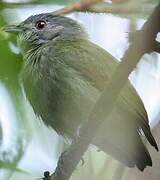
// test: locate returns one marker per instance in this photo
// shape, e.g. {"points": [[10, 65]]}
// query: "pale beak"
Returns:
{"points": [[12, 29]]}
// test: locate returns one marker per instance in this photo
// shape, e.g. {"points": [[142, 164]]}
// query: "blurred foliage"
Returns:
{"points": [[10, 62], [11, 166]]}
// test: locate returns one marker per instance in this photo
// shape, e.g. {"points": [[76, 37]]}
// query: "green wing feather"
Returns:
{"points": [[98, 68]]}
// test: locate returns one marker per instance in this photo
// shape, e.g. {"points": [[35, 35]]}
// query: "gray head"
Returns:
{"points": [[43, 28]]}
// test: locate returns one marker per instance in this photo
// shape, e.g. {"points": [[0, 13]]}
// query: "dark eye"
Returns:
{"points": [[40, 24]]}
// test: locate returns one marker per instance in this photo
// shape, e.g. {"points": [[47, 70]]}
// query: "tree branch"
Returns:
{"points": [[119, 7], [143, 42], [103, 7], [78, 6]]}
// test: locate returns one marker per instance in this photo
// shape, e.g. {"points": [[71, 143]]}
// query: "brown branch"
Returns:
{"points": [[78, 6], [143, 42], [75, 7], [103, 7]]}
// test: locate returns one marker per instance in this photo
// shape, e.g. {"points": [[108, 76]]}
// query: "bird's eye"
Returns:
{"points": [[40, 24]]}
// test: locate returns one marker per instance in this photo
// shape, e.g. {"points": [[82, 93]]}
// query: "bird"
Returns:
{"points": [[64, 73]]}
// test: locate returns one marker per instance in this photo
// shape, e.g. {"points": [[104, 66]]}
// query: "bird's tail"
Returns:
{"points": [[142, 158], [131, 153], [149, 136]]}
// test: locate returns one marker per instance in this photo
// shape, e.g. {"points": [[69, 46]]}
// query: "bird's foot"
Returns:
{"points": [[47, 175]]}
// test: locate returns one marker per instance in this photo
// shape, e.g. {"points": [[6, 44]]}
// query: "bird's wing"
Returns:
{"points": [[132, 100], [98, 68], [95, 64]]}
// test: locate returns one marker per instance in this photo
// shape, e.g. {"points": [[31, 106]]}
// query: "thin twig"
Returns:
{"points": [[102, 7], [78, 6], [99, 6], [143, 42]]}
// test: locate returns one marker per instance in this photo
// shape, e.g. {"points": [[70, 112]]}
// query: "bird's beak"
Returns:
{"points": [[12, 29]]}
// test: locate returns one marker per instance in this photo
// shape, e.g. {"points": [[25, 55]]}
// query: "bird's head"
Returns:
{"points": [[40, 29]]}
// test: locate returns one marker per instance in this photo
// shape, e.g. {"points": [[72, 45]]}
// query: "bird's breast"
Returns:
{"points": [[61, 97]]}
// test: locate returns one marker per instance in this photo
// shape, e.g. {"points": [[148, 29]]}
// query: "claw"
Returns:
{"points": [[47, 175]]}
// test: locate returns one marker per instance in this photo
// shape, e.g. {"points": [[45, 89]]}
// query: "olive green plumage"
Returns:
{"points": [[63, 75]]}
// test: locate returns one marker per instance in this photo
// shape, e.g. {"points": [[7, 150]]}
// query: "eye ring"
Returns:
{"points": [[41, 24]]}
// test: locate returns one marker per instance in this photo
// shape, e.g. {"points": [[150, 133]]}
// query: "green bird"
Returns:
{"points": [[63, 75]]}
